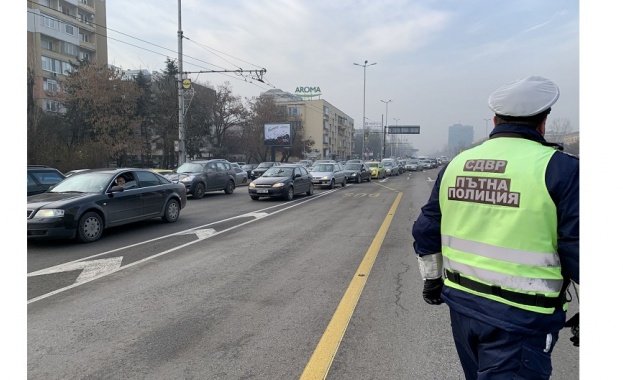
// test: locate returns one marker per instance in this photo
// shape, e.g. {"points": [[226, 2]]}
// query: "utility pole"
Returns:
{"points": [[180, 86], [181, 158], [386, 121], [363, 126]]}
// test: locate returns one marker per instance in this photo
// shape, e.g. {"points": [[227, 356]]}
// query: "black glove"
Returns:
{"points": [[574, 324], [432, 291]]}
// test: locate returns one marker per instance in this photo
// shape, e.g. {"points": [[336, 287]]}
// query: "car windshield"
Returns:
{"points": [[373, 164], [189, 167], [276, 171], [412, 162], [353, 166], [387, 164], [322, 168], [84, 183], [248, 167], [265, 165]]}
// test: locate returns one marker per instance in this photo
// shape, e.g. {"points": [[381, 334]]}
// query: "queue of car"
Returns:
{"points": [[82, 203]]}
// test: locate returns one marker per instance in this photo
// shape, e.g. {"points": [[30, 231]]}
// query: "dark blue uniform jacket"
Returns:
{"points": [[562, 180]]}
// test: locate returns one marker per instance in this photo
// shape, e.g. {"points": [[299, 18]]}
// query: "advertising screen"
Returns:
{"points": [[277, 134]]}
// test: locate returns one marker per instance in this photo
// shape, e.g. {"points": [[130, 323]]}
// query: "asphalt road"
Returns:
{"points": [[241, 289]]}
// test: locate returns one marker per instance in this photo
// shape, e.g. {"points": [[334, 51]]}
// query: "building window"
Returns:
{"points": [[70, 49], [49, 64], [69, 29], [294, 111], [50, 85], [84, 37], [84, 56], [45, 3], [49, 22], [67, 68], [46, 44], [52, 106]]}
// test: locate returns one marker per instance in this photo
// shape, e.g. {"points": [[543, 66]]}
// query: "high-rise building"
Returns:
{"points": [[460, 137], [60, 32]]}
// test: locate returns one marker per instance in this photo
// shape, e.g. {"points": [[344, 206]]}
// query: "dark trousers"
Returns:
{"points": [[488, 352]]}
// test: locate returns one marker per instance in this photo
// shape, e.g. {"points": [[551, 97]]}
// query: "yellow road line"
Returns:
{"points": [[320, 361]]}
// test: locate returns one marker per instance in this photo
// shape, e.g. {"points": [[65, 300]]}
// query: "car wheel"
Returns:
{"points": [[344, 182], [358, 179], [370, 178], [199, 191], [289, 194], [332, 184], [171, 211], [311, 189], [229, 189], [254, 197], [90, 227]]}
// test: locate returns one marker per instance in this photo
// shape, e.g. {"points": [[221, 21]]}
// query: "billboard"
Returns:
{"points": [[277, 134]]}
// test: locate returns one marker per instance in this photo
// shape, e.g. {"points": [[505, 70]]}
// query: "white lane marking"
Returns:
{"points": [[429, 179], [90, 269], [84, 261]]}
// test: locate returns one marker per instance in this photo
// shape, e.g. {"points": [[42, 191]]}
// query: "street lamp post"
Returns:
{"points": [[363, 126], [486, 127], [386, 120]]}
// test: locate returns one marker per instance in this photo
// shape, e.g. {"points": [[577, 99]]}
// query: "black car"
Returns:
{"points": [[248, 168], [41, 178], [357, 172], [283, 181], [82, 206], [201, 176], [261, 168]]}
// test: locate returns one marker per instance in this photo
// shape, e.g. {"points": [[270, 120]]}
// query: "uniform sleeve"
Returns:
{"points": [[563, 182], [426, 229]]}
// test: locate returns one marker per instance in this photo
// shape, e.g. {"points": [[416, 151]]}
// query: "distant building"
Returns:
{"points": [[460, 137], [60, 32], [330, 128]]}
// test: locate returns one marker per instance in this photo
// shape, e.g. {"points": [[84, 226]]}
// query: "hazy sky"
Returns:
{"points": [[437, 61]]}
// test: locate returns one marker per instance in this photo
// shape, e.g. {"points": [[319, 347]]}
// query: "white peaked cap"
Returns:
{"points": [[524, 97]]}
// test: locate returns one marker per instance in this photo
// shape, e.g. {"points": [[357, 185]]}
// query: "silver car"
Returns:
{"points": [[413, 165], [328, 174]]}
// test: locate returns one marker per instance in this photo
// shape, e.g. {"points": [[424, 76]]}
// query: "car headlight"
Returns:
{"points": [[325, 177], [279, 184], [252, 185], [50, 213], [353, 175], [188, 179]]}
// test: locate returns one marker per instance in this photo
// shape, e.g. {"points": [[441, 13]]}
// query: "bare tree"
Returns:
{"points": [[101, 112]]}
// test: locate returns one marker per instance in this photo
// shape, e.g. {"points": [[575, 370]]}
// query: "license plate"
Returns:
{"points": [[262, 191]]}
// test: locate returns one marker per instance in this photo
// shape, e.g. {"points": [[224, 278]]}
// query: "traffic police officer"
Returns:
{"points": [[498, 240]]}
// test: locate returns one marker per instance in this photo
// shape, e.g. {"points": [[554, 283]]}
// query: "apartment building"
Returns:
{"points": [[60, 32], [332, 130]]}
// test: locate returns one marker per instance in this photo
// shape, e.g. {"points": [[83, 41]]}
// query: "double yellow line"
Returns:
{"points": [[320, 361]]}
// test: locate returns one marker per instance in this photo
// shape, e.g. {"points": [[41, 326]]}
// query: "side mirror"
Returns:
{"points": [[297, 175]]}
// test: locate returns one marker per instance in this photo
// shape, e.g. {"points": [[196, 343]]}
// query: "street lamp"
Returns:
{"points": [[365, 64], [486, 127], [386, 119]]}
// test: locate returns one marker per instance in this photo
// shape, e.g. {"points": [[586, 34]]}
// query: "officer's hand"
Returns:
{"points": [[432, 291], [574, 324]]}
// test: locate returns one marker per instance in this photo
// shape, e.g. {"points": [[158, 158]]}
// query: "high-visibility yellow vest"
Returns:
{"points": [[499, 224]]}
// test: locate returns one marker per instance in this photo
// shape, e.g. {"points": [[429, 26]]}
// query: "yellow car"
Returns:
{"points": [[378, 170]]}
